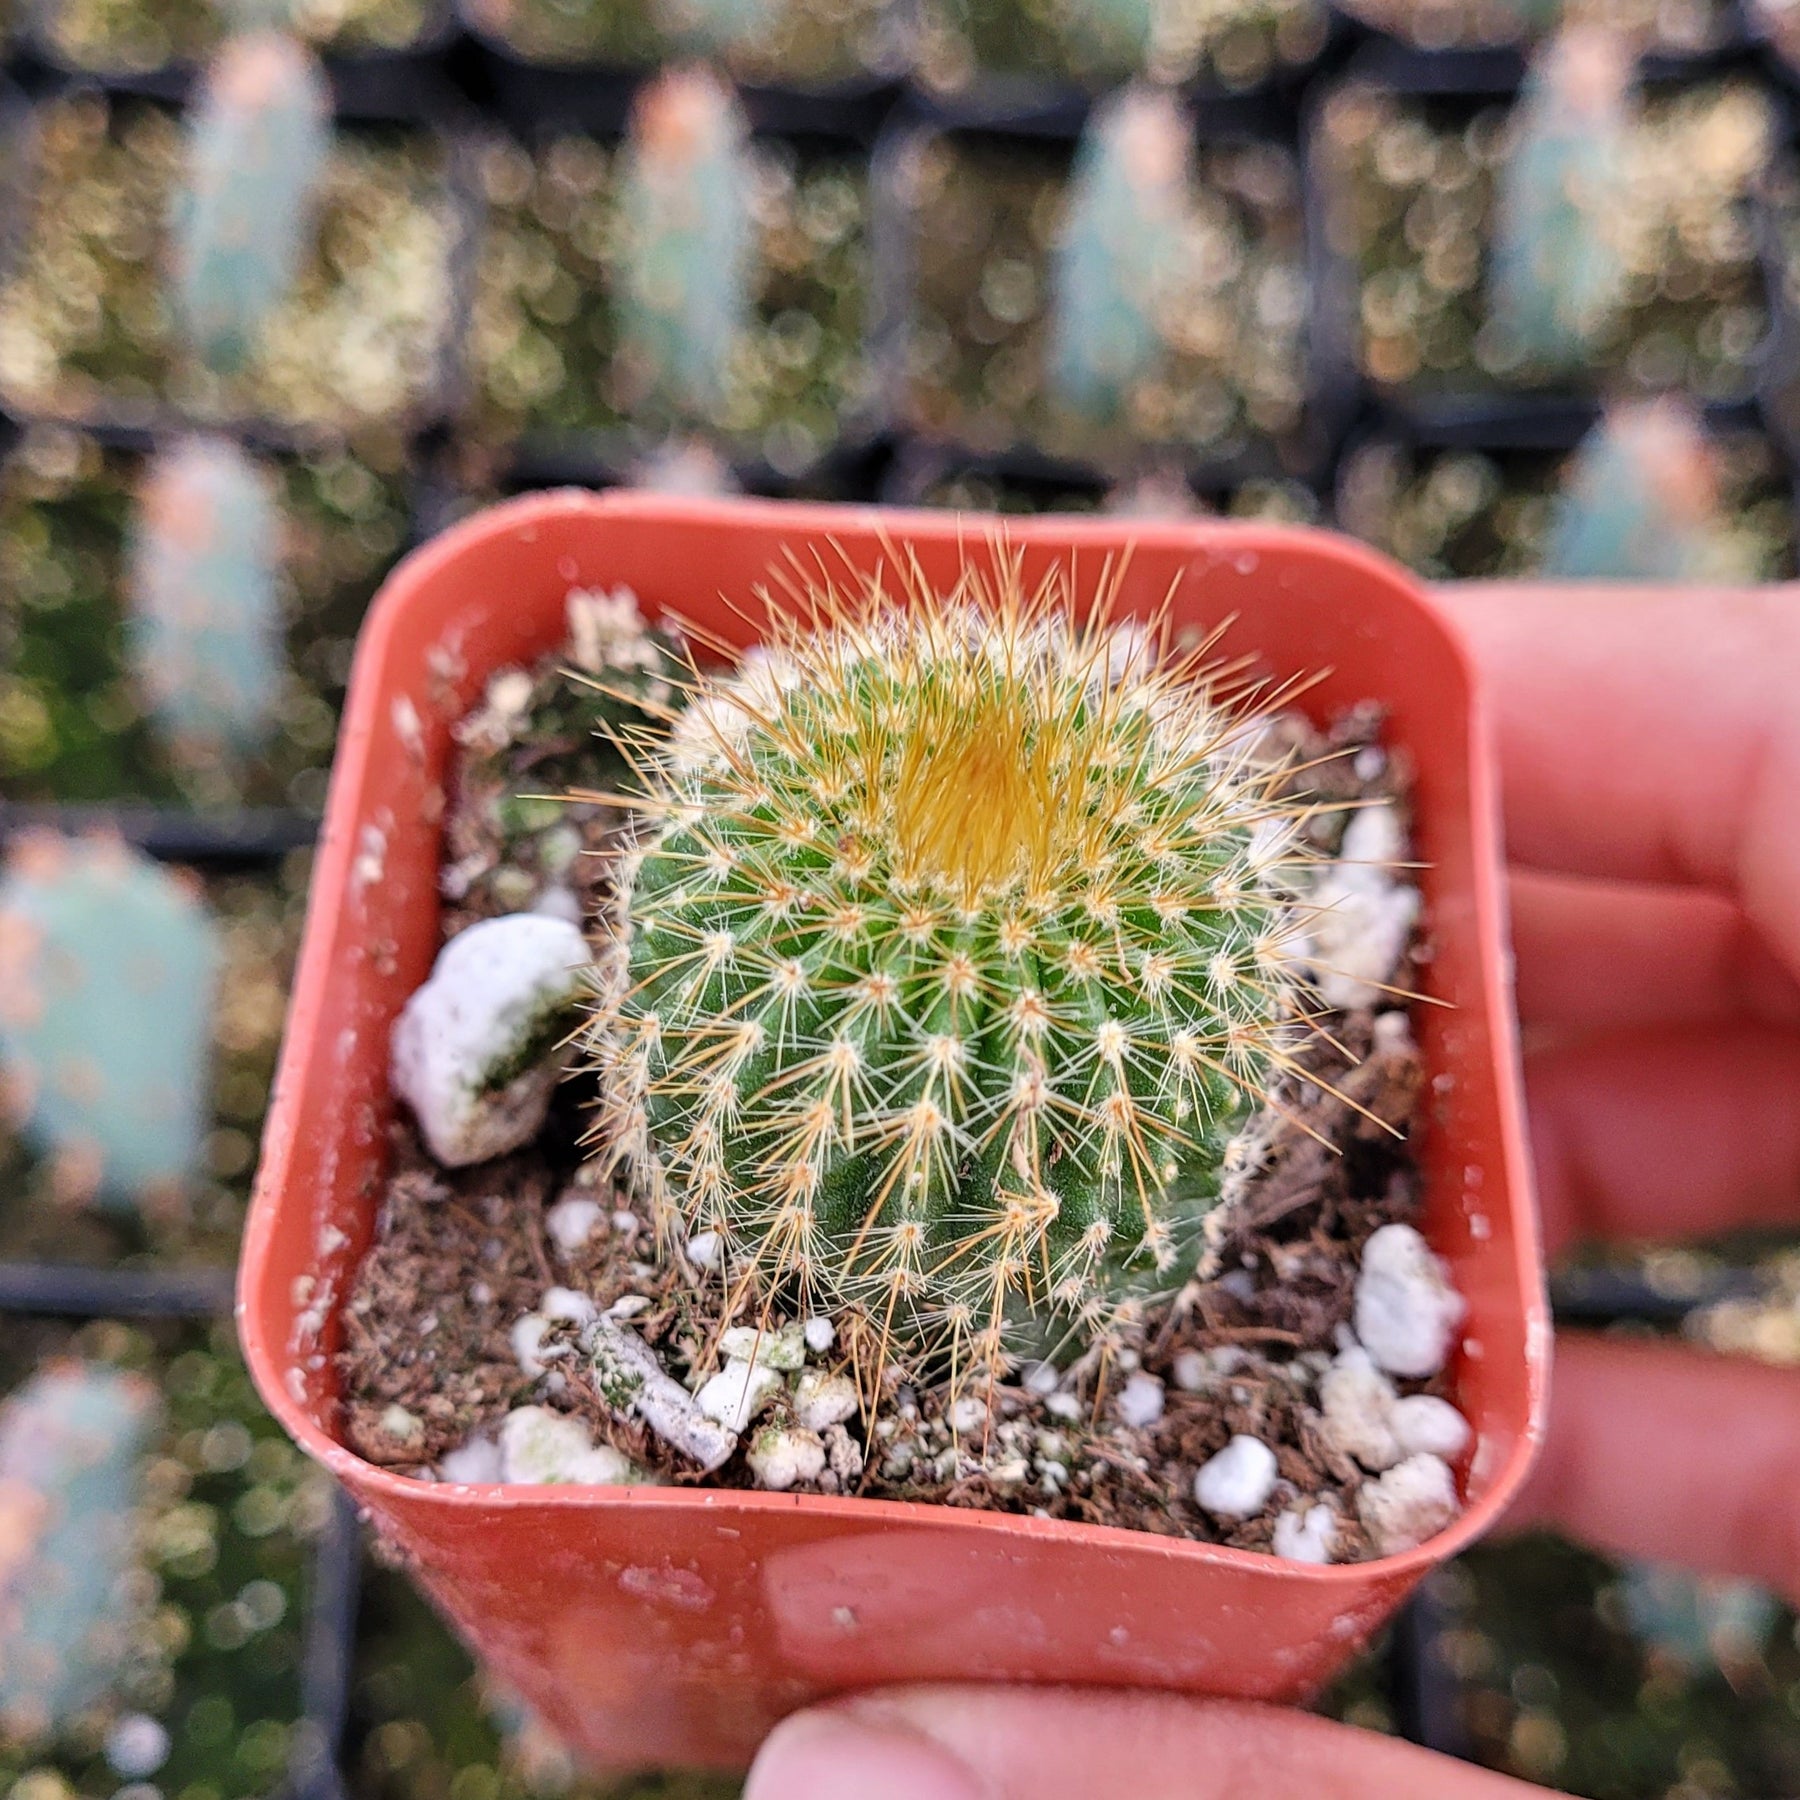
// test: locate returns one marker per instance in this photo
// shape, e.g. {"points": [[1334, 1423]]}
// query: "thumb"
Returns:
{"points": [[999, 1743]]}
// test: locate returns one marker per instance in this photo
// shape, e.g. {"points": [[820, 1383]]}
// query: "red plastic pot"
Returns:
{"points": [[674, 1626]]}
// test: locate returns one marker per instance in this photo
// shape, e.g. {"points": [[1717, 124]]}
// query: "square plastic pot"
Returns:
{"points": [[675, 1625]]}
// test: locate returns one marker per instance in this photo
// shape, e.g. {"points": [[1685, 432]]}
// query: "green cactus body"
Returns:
{"points": [[257, 144], [1557, 275], [947, 979], [107, 966], [1120, 246], [687, 243], [204, 581], [72, 1442], [1639, 501]]}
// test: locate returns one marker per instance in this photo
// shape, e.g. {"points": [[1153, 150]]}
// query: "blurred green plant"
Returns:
{"points": [[74, 724], [544, 330], [71, 1448], [1640, 501], [226, 1515], [258, 136], [205, 584], [108, 966], [357, 345]]}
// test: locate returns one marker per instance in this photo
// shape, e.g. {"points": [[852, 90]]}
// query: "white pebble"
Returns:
{"points": [[402, 1426], [1356, 1404], [1363, 915], [1406, 1310], [1139, 1402], [820, 1334], [1041, 1378], [1063, 1406], [540, 1447], [137, 1746], [1410, 1503], [1307, 1532], [1237, 1483], [739, 1391], [782, 1456], [703, 1249], [1426, 1425], [821, 1400], [782, 1349], [629, 1306], [492, 991], [569, 1304], [572, 1222], [1191, 1372], [626, 1223], [968, 1415], [527, 1334], [474, 1462]]}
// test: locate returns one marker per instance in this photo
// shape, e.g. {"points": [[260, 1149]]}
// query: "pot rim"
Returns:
{"points": [[337, 852]]}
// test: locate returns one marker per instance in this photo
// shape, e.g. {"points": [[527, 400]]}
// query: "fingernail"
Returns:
{"points": [[830, 1756]]}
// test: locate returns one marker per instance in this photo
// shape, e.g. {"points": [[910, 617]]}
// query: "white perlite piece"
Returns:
{"points": [[1406, 1310], [1358, 935], [542, 1447], [631, 1380], [783, 1456], [568, 1304], [572, 1222], [1140, 1401], [526, 1335], [820, 1334], [1424, 1424], [469, 1050], [822, 1400], [1306, 1532], [1413, 1501], [1237, 1483], [739, 1391], [703, 1249], [476, 1462], [1356, 1405], [783, 1348]]}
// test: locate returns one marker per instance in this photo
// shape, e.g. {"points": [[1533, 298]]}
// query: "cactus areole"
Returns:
{"points": [[961, 946]]}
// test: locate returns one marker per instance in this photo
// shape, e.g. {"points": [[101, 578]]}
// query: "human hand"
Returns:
{"points": [[1650, 747]]}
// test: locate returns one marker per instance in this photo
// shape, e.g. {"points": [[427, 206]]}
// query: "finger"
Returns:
{"points": [[1657, 1450], [1649, 735], [1596, 955], [1666, 1134], [998, 1743]]}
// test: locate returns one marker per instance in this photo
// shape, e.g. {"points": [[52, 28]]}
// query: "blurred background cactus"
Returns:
{"points": [[1119, 250], [204, 580], [1640, 501], [685, 244], [1558, 271], [256, 149], [72, 1443], [107, 969], [938, 779]]}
